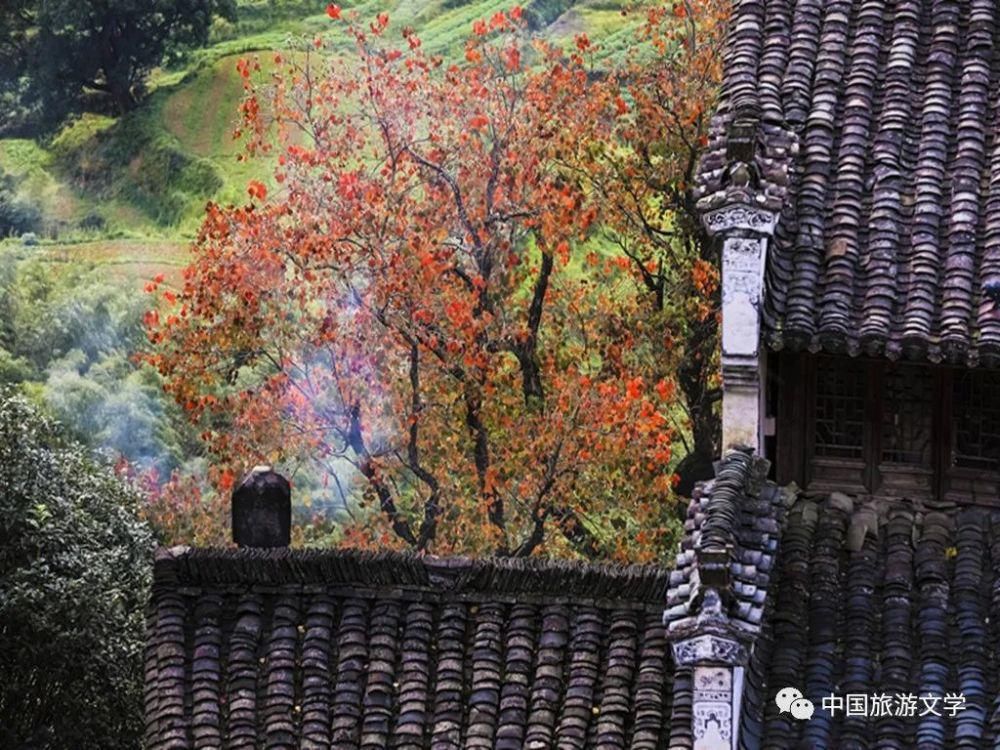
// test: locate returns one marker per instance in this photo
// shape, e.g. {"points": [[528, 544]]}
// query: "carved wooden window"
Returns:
{"points": [[840, 410], [904, 431], [976, 421], [907, 422]]}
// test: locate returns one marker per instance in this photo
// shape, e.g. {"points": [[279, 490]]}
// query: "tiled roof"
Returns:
{"points": [[739, 514], [832, 596], [874, 125], [339, 649], [849, 596], [729, 547], [883, 600]]}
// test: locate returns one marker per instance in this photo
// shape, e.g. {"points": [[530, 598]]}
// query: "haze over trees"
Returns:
{"points": [[461, 299], [542, 253]]}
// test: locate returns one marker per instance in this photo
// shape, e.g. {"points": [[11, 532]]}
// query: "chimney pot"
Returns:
{"points": [[262, 509]]}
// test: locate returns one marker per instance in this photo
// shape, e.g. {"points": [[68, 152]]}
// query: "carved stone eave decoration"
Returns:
{"points": [[713, 565], [746, 161], [742, 291], [722, 649], [716, 653], [716, 707], [711, 637], [740, 217], [718, 591]]}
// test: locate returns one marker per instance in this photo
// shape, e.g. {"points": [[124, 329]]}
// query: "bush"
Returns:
{"points": [[93, 222], [74, 578], [540, 13], [16, 215], [14, 369]]}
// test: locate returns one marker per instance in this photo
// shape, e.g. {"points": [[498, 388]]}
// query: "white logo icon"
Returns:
{"points": [[790, 700]]}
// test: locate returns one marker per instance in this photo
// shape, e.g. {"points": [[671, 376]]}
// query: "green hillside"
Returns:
{"points": [[128, 193]]}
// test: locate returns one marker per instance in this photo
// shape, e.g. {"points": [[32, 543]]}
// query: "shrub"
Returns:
{"points": [[93, 222]]}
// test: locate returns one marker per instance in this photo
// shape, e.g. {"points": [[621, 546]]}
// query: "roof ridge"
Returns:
{"points": [[185, 566]]}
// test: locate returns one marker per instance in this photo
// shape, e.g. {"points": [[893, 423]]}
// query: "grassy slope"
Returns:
{"points": [[128, 194]]}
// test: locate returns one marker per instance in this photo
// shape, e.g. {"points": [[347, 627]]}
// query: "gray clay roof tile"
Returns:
{"points": [[298, 649], [905, 606], [876, 124]]}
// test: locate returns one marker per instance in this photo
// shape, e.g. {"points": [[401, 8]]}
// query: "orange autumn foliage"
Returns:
{"points": [[419, 300], [660, 100]]}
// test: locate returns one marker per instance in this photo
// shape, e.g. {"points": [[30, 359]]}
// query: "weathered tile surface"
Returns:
{"points": [[884, 602], [740, 513], [875, 127], [279, 649]]}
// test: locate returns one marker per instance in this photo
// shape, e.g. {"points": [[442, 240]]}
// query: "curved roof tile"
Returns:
{"points": [[299, 649], [876, 127]]}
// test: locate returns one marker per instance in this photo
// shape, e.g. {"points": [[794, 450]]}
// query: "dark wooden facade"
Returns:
{"points": [[872, 427]]}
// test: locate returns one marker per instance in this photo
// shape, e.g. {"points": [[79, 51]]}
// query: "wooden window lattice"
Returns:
{"points": [[840, 411], [898, 430], [976, 421], [907, 415]]}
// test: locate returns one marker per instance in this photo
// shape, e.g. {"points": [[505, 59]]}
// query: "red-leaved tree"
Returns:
{"points": [[421, 309]]}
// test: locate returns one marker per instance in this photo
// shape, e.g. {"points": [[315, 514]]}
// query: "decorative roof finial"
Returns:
{"points": [[262, 509]]}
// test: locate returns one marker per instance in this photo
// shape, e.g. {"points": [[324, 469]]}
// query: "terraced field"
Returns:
{"points": [[132, 262], [129, 193]]}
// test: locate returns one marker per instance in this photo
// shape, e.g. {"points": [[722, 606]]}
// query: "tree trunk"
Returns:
{"points": [[122, 96], [693, 378], [697, 466]]}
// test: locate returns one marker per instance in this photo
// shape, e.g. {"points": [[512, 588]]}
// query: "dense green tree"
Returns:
{"points": [[74, 577], [15, 23], [61, 56]]}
